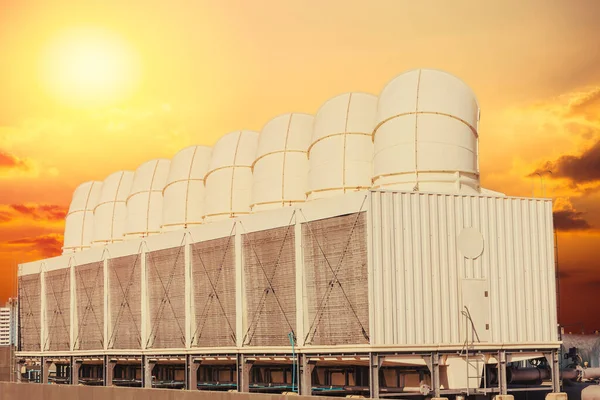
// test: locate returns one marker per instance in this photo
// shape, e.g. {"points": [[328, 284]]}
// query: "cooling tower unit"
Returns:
{"points": [[79, 223], [111, 210], [426, 138], [183, 203], [229, 179], [281, 166], [341, 150], [144, 204]]}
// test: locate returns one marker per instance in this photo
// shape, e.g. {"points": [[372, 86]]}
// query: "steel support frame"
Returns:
{"points": [[243, 373], [555, 370], [375, 364], [307, 362], [433, 363], [108, 371], [502, 380], [306, 369], [191, 372], [147, 368], [45, 364], [75, 367]]}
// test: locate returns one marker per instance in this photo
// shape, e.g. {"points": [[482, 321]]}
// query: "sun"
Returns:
{"points": [[87, 67]]}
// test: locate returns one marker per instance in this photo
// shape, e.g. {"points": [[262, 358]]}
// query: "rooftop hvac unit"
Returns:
{"points": [[281, 166], [183, 203], [229, 179], [341, 150], [79, 223], [426, 136], [111, 211], [144, 204]]}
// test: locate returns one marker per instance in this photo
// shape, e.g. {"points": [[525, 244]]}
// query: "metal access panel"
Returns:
{"points": [[335, 262], [29, 312], [124, 280], [422, 247], [89, 287], [270, 285], [476, 310], [213, 277], [58, 310], [166, 292]]}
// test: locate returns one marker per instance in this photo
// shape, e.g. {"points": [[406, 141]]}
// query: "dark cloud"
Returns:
{"points": [[570, 220], [583, 168], [46, 245], [9, 161], [36, 212], [49, 212]]}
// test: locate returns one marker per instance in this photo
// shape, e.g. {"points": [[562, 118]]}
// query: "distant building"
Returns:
{"points": [[8, 323], [5, 330]]}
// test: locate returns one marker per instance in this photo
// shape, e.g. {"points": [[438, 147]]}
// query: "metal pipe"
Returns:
{"points": [[581, 373], [517, 375]]}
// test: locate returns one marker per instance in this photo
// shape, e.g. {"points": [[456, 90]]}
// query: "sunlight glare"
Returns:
{"points": [[89, 67]]}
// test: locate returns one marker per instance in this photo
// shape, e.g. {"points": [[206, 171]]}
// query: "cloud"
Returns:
{"points": [[46, 246], [579, 169], [567, 218], [32, 212], [50, 212], [586, 104], [9, 161], [583, 168]]}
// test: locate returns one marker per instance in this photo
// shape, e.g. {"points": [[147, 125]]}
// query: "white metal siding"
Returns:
{"points": [[418, 270]]}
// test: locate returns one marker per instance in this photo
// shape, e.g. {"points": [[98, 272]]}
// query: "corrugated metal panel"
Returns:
{"points": [[58, 309], [335, 261], [166, 292], [90, 306], [213, 274], [125, 302], [421, 256], [269, 270], [29, 312]]}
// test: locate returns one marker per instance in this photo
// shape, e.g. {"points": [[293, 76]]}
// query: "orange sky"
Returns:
{"points": [[187, 72]]}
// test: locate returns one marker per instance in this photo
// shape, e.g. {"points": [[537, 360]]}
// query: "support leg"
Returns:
{"points": [[19, 366], [555, 372], [306, 369], [192, 373], [109, 371], [75, 367], [375, 364], [243, 379], [502, 383], [45, 365], [147, 371], [435, 374]]}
